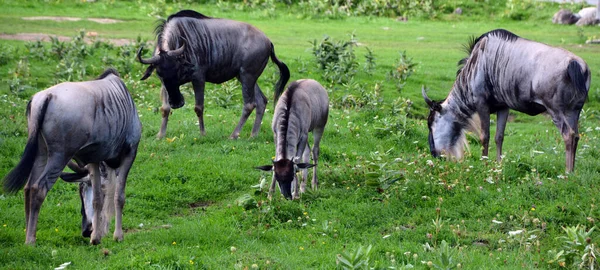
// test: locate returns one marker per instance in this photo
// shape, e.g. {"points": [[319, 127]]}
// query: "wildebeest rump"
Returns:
{"points": [[91, 122], [194, 48], [502, 72], [303, 108]]}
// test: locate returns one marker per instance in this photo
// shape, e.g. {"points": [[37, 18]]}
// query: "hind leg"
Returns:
{"points": [[501, 118], [98, 221], [317, 135], [120, 193], [248, 94], [261, 105], [37, 189]]}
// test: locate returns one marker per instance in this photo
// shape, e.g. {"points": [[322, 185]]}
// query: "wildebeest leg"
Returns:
{"points": [[109, 191], [98, 222], [38, 167], [305, 159], [199, 108], [484, 116], [248, 91], [272, 187], [317, 135], [165, 110], [38, 189], [120, 193], [261, 105], [501, 118], [302, 145]]}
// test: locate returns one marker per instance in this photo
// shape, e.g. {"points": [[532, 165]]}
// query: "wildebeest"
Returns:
{"points": [[565, 16], [91, 122], [303, 108], [502, 72], [83, 176], [191, 47]]}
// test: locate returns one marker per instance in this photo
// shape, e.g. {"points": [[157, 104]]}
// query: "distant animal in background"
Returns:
{"points": [[502, 72], [586, 16], [191, 47], [303, 108], [91, 122], [565, 16]]}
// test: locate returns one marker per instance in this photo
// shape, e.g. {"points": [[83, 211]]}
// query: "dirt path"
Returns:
{"points": [[70, 19], [91, 37]]}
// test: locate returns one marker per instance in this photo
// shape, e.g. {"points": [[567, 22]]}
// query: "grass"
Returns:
{"points": [[181, 209]]}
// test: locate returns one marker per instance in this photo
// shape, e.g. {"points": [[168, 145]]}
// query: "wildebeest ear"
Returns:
{"points": [[148, 72], [305, 165], [73, 177], [266, 168]]}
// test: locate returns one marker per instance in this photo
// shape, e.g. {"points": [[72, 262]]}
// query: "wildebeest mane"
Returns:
{"points": [[107, 72], [285, 118], [468, 47], [160, 23]]}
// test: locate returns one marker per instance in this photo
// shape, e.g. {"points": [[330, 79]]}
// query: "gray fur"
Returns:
{"points": [[507, 72], [91, 122], [303, 108], [215, 51]]}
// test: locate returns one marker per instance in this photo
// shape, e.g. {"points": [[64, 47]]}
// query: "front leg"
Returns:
{"points": [[198, 85], [484, 117], [501, 118], [272, 188], [165, 111]]}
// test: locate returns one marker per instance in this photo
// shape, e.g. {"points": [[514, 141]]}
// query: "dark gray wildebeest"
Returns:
{"points": [[191, 47], [90, 122], [303, 108], [502, 72]]}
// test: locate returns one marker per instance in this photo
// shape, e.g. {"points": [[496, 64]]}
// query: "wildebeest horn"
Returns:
{"points": [[429, 102], [150, 61], [176, 52]]}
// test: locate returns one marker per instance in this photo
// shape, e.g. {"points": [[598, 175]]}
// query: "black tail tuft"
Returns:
{"points": [[578, 76], [17, 178], [284, 75]]}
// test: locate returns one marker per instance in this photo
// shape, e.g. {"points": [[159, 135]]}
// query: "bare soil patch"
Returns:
{"points": [[45, 37], [70, 19]]}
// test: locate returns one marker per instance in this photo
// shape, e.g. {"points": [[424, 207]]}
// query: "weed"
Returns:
{"points": [[404, 69], [336, 59], [578, 249], [354, 260]]}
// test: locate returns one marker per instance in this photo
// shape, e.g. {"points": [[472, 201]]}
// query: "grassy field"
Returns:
{"points": [[379, 186]]}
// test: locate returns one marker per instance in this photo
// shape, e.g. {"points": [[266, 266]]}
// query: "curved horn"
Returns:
{"points": [[150, 61], [176, 52], [429, 102]]}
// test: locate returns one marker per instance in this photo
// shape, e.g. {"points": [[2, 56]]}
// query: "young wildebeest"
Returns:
{"points": [[91, 122], [83, 176], [191, 47], [502, 72], [303, 108]]}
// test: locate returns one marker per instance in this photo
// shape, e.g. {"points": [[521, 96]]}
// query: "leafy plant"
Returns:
{"points": [[405, 67], [336, 59], [445, 257], [354, 260], [382, 173], [578, 249]]}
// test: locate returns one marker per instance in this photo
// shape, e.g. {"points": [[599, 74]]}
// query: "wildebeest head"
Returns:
{"points": [[173, 71], [86, 194], [284, 171], [446, 136]]}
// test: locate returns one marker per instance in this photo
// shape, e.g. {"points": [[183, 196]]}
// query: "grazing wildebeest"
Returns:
{"points": [[83, 176], [303, 108], [502, 72], [91, 122], [565, 16], [191, 47]]}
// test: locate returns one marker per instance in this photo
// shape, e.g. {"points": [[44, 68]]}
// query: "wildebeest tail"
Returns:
{"points": [[284, 74], [16, 179], [578, 76]]}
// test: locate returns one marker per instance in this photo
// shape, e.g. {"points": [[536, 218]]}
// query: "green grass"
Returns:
{"points": [[181, 209]]}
